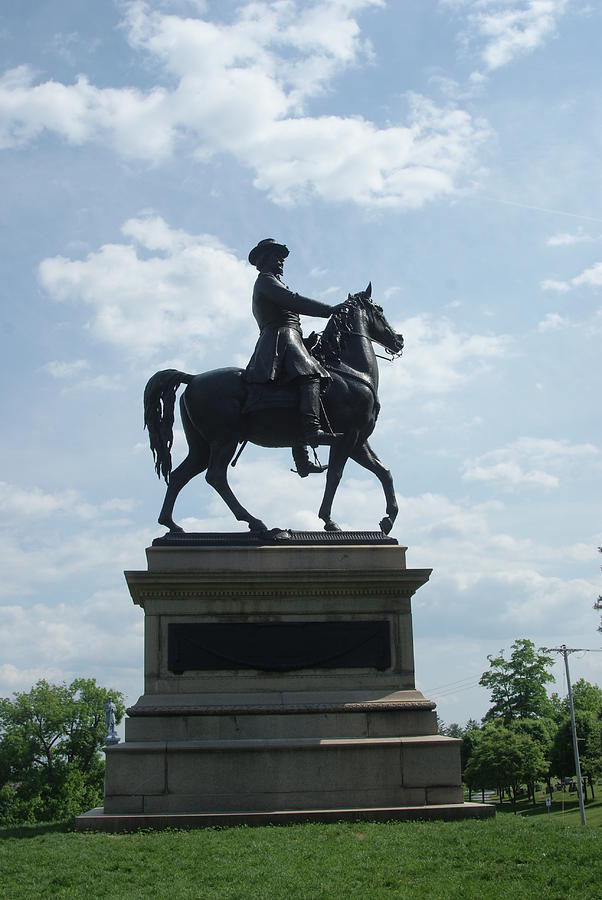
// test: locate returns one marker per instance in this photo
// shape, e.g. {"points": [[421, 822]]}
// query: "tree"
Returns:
{"points": [[504, 759], [598, 603], [542, 732], [518, 684], [50, 740], [472, 730], [587, 699], [453, 730]]}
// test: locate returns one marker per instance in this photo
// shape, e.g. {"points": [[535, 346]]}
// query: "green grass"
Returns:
{"points": [[569, 815], [511, 856]]}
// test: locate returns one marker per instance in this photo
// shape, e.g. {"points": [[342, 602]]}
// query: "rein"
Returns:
{"points": [[392, 355]]}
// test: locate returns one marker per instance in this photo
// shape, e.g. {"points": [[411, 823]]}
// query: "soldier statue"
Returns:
{"points": [[280, 356]]}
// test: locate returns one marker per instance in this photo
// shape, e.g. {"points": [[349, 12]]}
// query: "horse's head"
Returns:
{"points": [[376, 325], [358, 315]]}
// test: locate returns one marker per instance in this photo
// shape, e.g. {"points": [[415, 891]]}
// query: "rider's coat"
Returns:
{"points": [[280, 354]]}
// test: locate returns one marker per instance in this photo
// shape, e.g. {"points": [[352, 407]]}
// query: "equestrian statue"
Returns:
{"points": [[294, 393]]}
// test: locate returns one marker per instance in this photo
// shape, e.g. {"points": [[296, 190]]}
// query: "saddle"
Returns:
{"points": [[270, 396], [275, 396]]}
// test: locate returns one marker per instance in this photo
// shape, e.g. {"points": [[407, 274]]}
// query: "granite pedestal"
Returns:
{"points": [[279, 686]]}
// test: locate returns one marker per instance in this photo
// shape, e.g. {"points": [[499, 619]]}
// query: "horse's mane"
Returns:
{"points": [[329, 345]]}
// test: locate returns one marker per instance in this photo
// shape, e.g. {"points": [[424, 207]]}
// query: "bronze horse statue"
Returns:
{"points": [[213, 415]]}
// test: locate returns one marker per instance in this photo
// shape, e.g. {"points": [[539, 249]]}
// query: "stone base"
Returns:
{"points": [[98, 820], [241, 775], [279, 686]]}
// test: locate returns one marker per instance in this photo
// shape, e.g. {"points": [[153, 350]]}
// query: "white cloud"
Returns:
{"points": [[527, 462], [187, 289], [568, 239], [100, 382], [591, 277], [438, 358], [552, 284], [242, 88], [132, 123], [35, 503], [100, 636], [509, 28], [552, 322], [519, 29], [60, 369], [162, 289]]}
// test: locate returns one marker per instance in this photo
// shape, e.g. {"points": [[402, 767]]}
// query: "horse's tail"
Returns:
{"points": [[159, 403]]}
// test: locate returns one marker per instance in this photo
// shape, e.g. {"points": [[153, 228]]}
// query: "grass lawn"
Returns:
{"points": [[512, 856], [570, 816], [567, 813]]}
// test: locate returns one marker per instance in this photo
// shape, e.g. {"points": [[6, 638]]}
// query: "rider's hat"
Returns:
{"points": [[267, 244]]}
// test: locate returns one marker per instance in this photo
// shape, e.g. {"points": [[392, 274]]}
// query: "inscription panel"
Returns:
{"points": [[278, 646]]}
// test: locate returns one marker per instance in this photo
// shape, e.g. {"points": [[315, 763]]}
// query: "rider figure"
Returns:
{"points": [[280, 355]]}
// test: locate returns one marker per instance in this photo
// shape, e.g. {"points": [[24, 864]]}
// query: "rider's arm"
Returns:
{"points": [[275, 291]]}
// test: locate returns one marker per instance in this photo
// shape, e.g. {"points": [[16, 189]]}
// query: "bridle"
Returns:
{"points": [[393, 354]]}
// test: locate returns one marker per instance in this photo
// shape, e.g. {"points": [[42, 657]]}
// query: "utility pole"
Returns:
{"points": [[565, 652]]}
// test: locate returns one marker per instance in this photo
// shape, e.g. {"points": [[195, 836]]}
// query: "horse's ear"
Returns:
{"points": [[368, 292], [349, 296]]}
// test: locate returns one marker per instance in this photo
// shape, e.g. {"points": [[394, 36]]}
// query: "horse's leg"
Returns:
{"points": [[339, 454], [216, 476], [193, 465], [366, 457]]}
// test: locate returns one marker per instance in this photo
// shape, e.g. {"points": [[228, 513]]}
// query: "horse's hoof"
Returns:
{"points": [[386, 525], [279, 534], [256, 526], [332, 526], [171, 525]]}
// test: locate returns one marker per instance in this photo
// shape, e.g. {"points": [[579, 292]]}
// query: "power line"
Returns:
{"points": [[447, 693], [450, 684]]}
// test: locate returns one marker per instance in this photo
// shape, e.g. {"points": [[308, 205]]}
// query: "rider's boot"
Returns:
{"points": [[304, 465], [309, 407]]}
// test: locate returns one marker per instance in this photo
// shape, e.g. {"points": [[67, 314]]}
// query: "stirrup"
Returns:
{"points": [[322, 438], [306, 467]]}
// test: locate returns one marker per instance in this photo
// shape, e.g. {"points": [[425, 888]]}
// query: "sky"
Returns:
{"points": [[449, 152]]}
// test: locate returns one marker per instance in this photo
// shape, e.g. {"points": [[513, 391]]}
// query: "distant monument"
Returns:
{"points": [[279, 665], [111, 736]]}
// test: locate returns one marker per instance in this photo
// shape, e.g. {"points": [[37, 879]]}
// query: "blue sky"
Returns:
{"points": [[446, 150]]}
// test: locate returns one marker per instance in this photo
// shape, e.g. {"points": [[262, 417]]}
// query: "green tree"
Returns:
{"points": [[504, 759], [470, 736], [453, 730], [542, 732], [598, 603], [518, 684], [587, 699], [50, 740]]}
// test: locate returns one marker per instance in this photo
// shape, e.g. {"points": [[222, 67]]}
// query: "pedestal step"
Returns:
{"points": [[98, 820], [302, 773]]}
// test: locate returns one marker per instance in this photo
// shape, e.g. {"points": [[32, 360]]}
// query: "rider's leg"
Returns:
{"points": [[309, 407], [304, 465]]}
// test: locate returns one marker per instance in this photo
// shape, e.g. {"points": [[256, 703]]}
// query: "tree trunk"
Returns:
{"points": [[513, 796], [483, 794], [591, 786]]}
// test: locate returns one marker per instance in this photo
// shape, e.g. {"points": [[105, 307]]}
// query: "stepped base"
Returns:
{"points": [[98, 820], [279, 687]]}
